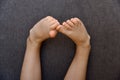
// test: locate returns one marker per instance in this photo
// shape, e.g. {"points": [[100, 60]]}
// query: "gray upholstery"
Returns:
{"points": [[101, 18]]}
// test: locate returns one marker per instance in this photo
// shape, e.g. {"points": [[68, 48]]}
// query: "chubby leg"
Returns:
{"points": [[75, 30], [31, 69]]}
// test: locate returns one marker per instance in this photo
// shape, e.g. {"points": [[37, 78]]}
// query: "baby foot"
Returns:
{"points": [[75, 30], [44, 29]]}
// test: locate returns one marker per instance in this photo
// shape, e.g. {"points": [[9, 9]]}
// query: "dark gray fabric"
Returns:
{"points": [[101, 18]]}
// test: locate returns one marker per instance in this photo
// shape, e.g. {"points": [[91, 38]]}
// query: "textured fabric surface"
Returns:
{"points": [[101, 18]]}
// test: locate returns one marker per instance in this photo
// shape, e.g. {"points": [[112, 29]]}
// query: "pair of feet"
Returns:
{"points": [[49, 26]]}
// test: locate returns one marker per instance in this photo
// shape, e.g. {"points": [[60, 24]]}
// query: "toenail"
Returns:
{"points": [[72, 19], [49, 17], [67, 20]]}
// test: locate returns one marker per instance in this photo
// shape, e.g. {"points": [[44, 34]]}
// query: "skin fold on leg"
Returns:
{"points": [[75, 29], [46, 28]]}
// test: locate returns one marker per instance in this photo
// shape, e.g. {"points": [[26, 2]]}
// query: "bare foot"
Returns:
{"points": [[75, 29], [44, 29]]}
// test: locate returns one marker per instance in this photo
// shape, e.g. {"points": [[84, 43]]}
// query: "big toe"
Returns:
{"points": [[61, 28], [52, 33]]}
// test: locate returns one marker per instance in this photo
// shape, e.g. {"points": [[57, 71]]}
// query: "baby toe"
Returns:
{"points": [[50, 18], [73, 21], [53, 22], [78, 21]]}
